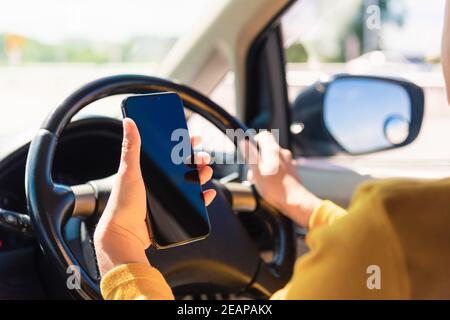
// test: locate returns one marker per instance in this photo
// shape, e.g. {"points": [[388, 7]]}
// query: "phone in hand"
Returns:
{"points": [[176, 212]]}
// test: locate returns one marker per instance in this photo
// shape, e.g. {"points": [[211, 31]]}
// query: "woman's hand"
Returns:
{"points": [[276, 180], [122, 235]]}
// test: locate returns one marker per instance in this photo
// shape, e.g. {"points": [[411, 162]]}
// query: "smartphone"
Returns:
{"points": [[176, 212]]}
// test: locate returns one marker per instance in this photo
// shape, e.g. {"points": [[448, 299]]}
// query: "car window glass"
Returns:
{"points": [[378, 37], [49, 48]]}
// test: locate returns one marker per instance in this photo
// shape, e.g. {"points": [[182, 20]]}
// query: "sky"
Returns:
{"points": [[53, 20], [108, 20], [319, 19], [422, 29]]}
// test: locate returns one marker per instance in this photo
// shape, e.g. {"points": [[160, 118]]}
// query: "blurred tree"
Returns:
{"points": [[35, 51], [343, 30], [2, 48], [358, 27], [84, 54], [296, 53]]}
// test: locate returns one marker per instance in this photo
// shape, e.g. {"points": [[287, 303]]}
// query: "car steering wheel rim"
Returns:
{"points": [[51, 205]]}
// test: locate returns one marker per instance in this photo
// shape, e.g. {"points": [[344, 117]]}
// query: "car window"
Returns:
{"points": [[49, 48], [214, 140], [382, 37]]}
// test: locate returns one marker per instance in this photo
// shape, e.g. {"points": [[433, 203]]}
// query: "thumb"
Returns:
{"points": [[131, 150], [269, 153]]}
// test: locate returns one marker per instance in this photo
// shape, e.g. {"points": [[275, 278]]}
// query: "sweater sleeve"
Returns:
{"points": [[135, 281], [139, 281], [326, 214], [356, 257]]}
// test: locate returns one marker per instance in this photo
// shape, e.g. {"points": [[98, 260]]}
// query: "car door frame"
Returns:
{"points": [[266, 92], [266, 85]]}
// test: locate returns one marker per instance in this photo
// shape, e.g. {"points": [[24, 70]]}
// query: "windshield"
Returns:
{"points": [[48, 48]]}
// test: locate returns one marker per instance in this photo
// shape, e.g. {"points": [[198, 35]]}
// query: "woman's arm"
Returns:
{"points": [[121, 236], [277, 181]]}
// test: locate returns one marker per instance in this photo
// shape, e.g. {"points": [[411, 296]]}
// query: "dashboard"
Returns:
{"points": [[89, 149]]}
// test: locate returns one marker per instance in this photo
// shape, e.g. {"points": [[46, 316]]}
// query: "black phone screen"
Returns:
{"points": [[176, 210]]}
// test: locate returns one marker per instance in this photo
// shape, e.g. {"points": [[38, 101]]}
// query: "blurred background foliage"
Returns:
{"points": [[137, 49], [352, 28]]}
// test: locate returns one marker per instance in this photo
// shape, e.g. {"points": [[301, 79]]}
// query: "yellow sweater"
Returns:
{"points": [[394, 243]]}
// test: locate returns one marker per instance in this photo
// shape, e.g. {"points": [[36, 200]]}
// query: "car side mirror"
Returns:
{"points": [[356, 115]]}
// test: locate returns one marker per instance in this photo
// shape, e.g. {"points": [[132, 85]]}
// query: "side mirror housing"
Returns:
{"points": [[356, 115]]}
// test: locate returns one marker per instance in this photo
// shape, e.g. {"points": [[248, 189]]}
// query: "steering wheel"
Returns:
{"points": [[229, 258]]}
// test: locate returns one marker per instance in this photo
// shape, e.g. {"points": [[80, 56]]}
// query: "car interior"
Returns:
{"points": [[56, 179]]}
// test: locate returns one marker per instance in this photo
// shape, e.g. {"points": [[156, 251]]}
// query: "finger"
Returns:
{"points": [[269, 153], [250, 176], [205, 174], [287, 154], [131, 145], [209, 196], [195, 141], [266, 140], [249, 152], [202, 159]]}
